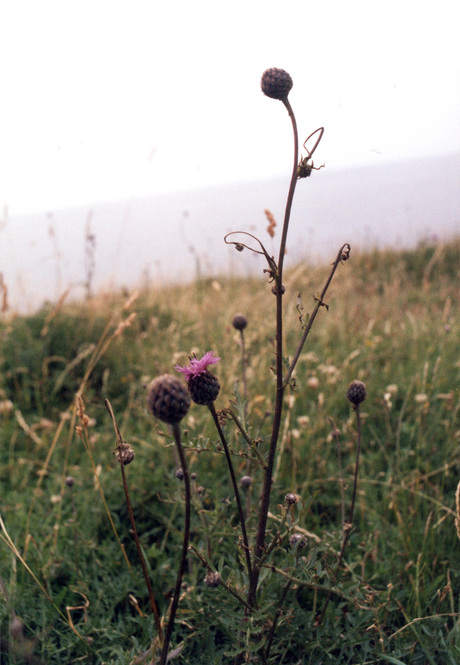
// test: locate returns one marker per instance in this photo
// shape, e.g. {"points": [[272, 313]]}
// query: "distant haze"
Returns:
{"points": [[175, 237]]}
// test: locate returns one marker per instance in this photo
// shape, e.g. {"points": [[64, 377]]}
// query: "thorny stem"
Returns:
{"points": [[319, 303], [247, 553], [153, 603], [186, 538], [265, 499]]}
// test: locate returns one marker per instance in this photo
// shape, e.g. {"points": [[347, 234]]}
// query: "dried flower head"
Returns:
{"points": [[356, 392], [276, 83], [168, 399], [124, 453], [212, 579], [203, 386]]}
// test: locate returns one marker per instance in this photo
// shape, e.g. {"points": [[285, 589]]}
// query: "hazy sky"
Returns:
{"points": [[104, 99]]}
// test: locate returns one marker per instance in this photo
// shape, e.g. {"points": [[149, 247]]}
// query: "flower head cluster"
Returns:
{"points": [[198, 367]]}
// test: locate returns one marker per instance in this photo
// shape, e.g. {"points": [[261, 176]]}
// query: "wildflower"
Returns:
{"points": [[198, 367], [203, 386]]}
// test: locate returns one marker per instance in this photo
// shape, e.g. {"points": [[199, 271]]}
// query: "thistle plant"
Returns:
{"points": [[169, 400]]}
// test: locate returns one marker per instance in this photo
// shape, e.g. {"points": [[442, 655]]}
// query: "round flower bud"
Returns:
{"points": [[291, 498], [168, 399], [70, 481], [356, 392], [246, 482], [203, 388], [212, 580], [179, 474], [239, 322], [276, 83]]}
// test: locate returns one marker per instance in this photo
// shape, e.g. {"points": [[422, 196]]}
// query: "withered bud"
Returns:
{"points": [[124, 453], [212, 580]]}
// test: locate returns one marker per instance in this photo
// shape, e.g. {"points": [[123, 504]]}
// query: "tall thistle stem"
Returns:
{"points": [[280, 387]]}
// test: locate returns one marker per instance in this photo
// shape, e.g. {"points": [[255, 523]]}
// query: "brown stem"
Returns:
{"points": [[186, 538], [153, 604], [265, 499], [247, 553], [319, 303]]}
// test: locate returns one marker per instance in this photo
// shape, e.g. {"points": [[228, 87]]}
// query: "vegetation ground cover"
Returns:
{"points": [[72, 590]]}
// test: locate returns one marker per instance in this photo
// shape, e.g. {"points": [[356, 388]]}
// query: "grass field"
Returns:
{"points": [[71, 585]]}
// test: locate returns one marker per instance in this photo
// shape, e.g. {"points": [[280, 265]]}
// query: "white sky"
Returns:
{"points": [[104, 99]]}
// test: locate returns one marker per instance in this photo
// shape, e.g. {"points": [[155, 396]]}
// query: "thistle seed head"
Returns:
{"points": [[168, 399], [356, 392], [276, 83]]}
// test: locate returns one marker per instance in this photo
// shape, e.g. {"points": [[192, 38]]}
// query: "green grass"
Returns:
{"points": [[392, 321]]}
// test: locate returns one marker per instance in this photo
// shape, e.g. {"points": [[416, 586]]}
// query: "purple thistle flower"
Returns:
{"points": [[198, 367]]}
